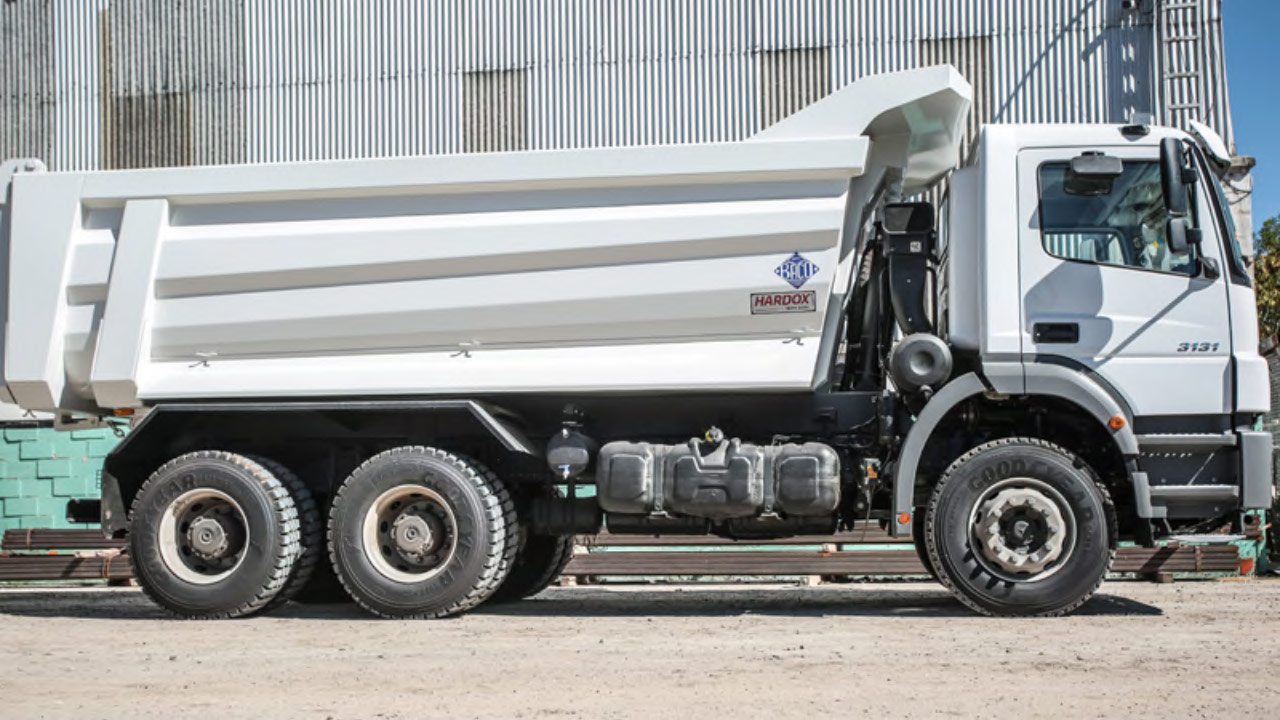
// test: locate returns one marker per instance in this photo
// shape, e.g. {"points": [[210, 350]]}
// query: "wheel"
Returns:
{"points": [[918, 541], [311, 530], [324, 588], [538, 563], [540, 559], [1020, 527], [213, 535], [420, 532]]}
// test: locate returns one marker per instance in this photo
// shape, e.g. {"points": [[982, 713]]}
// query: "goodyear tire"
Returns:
{"points": [[921, 547], [1020, 527], [213, 535], [540, 559], [420, 532], [311, 533]]}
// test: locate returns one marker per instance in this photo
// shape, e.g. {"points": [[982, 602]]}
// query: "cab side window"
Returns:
{"points": [[1123, 226]]}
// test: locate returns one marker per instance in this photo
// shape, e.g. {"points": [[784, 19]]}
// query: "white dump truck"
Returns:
{"points": [[412, 368]]}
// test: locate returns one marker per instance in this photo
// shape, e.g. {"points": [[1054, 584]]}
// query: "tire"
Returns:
{"points": [[456, 522], [244, 508], [1020, 485], [540, 559], [921, 547], [324, 588], [311, 530]]}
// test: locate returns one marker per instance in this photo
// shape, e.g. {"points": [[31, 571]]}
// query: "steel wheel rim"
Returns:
{"points": [[1017, 555], [190, 544], [410, 534]]}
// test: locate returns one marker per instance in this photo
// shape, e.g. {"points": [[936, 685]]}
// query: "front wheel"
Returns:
{"points": [[1020, 526]]}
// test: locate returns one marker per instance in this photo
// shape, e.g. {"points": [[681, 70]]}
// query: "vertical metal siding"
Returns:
{"points": [[101, 83]]}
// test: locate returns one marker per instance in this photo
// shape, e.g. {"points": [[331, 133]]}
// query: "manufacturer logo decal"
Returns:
{"points": [[796, 270], [784, 302]]}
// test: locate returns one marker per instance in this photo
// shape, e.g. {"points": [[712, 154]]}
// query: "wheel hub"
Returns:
{"points": [[1021, 530], [410, 533], [415, 534], [208, 537], [202, 536]]}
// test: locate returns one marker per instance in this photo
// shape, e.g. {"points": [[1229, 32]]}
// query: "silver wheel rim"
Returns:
{"points": [[410, 534], [203, 536], [1022, 530]]}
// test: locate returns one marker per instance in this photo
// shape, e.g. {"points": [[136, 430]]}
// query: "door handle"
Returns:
{"points": [[1065, 333]]}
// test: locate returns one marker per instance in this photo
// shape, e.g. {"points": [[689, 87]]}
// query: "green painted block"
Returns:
{"points": [[10, 488], [51, 506], [65, 447], [100, 448], [19, 470], [73, 487], [18, 434], [17, 507], [89, 434], [36, 450], [53, 468], [35, 521]]}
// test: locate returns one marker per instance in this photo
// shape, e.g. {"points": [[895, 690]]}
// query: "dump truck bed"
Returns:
{"points": [[708, 266]]}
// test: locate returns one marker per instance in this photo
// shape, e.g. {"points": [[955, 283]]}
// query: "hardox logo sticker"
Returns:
{"points": [[796, 270]]}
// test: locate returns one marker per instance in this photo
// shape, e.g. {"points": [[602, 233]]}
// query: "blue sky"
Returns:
{"points": [[1252, 29]]}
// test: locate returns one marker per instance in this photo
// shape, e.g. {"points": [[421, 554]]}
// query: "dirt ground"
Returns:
{"points": [[1191, 649]]}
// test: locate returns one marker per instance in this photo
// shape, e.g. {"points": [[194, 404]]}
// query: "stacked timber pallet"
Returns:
{"points": [[52, 554], [863, 552]]}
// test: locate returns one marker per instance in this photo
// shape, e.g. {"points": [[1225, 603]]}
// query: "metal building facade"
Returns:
{"points": [[90, 84], [123, 83]]}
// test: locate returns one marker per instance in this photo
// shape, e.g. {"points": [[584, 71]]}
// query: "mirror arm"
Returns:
{"points": [[1209, 268]]}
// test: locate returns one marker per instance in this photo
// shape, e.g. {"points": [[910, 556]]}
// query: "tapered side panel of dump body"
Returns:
{"points": [[579, 270]]}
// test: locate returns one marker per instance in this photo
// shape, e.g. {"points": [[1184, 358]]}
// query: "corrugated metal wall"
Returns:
{"points": [[116, 83]]}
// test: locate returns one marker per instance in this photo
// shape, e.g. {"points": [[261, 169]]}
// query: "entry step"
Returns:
{"points": [[1187, 443]]}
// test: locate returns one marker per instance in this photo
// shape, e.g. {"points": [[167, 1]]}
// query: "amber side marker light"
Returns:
{"points": [[904, 518], [1117, 422], [123, 412]]}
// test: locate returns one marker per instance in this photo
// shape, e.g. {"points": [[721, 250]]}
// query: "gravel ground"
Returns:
{"points": [[1191, 649]]}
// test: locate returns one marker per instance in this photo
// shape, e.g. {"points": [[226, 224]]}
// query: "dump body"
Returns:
{"points": [[707, 266]]}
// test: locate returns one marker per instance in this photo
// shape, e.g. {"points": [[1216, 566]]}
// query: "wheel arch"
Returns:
{"points": [[169, 430], [1068, 391]]}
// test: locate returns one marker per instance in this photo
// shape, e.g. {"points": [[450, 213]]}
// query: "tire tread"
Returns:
{"points": [[285, 511], [935, 556], [502, 528]]}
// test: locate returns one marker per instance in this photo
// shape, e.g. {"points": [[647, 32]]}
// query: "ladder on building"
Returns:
{"points": [[1179, 27]]}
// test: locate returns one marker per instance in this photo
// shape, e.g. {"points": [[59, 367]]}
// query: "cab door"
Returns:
{"points": [[1100, 289]]}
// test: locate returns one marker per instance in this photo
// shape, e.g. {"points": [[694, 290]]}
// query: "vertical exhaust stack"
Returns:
{"points": [[920, 361]]}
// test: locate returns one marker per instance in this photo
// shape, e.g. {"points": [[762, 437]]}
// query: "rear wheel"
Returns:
{"points": [[420, 532], [212, 535], [540, 559], [1020, 527], [311, 531]]}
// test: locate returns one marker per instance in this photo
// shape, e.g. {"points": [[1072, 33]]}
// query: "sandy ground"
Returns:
{"points": [[1191, 649]]}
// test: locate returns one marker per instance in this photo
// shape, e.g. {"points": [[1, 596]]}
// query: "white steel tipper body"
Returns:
{"points": [[597, 269], [403, 368]]}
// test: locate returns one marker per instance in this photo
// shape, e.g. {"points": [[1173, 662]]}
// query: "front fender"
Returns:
{"points": [[1031, 380]]}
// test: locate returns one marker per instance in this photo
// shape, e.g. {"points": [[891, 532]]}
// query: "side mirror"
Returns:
{"points": [[1092, 174], [1176, 234], [1173, 177], [1177, 178]]}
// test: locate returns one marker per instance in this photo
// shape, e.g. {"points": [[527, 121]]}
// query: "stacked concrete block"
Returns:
{"points": [[41, 469]]}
